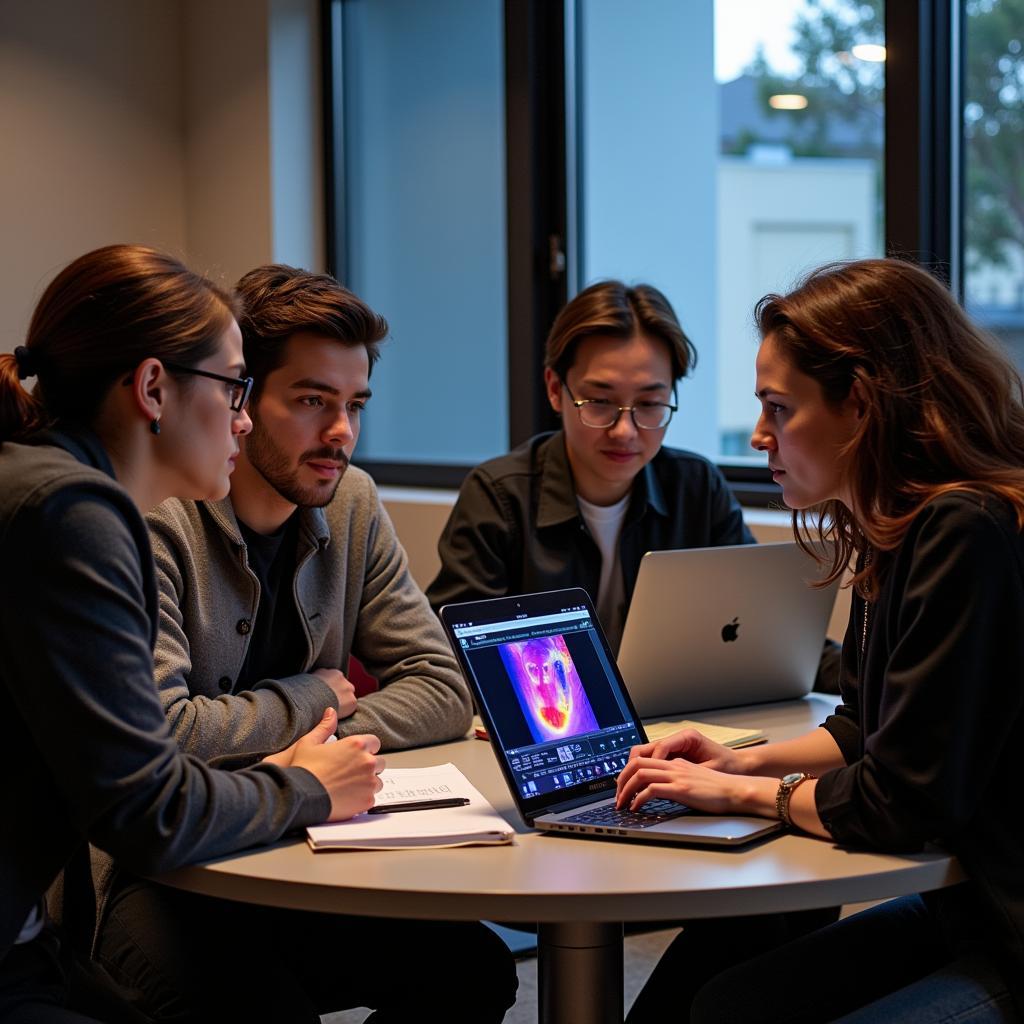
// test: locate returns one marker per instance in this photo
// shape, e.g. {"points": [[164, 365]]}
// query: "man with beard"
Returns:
{"points": [[263, 598]]}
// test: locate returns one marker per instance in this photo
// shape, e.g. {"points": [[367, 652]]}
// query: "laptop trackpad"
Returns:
{"points": [[710, 827]]}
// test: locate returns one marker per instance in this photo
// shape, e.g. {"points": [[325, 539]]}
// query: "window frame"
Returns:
{"points": [[923, 156]]}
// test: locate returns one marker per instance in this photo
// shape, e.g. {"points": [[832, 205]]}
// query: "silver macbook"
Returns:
{"points": [[717, 627], [561, 723]]}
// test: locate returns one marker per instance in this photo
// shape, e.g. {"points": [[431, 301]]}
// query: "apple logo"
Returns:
{"points": [[730, 631]]}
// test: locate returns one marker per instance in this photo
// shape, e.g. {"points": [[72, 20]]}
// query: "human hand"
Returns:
{"points": [[344, 691], [695, 785], [694, 746], [322, 732], [348, 769]]}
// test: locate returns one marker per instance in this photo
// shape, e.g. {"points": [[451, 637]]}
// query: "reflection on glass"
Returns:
{"points": [[799, 177], [994, 168], [727, 147]]}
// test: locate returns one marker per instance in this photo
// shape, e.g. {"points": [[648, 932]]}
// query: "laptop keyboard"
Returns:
{"points": [[652, 813]]}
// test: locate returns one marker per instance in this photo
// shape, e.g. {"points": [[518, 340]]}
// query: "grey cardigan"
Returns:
{"points": [[355, 596]]}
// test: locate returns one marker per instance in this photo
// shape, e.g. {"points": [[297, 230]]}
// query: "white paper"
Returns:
{"points": [[476, 822]]}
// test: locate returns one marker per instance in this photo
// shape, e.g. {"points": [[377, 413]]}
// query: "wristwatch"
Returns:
{"points": [[787, 784]]}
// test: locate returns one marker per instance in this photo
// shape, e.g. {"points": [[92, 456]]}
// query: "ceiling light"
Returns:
{"points": [[873, 52], [787, 101]]}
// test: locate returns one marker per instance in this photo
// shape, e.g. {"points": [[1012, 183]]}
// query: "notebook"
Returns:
{"points": [[718, 627], [561, 723], [728, 735], [473, 824]]}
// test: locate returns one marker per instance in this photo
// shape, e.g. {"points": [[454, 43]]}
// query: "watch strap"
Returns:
{"points": [[787, 786]]}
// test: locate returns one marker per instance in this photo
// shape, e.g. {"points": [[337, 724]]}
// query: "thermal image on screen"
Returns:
{"points": [[548, 687]]}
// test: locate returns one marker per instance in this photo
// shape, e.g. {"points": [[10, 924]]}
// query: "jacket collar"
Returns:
{"points": [[557, 499], [313, 522], [79, 442]]}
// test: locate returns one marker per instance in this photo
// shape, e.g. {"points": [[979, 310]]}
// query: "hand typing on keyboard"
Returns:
{"points": [[652, 813]]}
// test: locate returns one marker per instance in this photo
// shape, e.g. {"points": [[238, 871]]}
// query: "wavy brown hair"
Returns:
{"points": [[611, 309], [943, 403], [101, 316]]}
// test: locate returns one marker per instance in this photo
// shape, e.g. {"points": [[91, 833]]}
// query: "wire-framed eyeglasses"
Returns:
{"points": [[239, 388], [603, 415]]}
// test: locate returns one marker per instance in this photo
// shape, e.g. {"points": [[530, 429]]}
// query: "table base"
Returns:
{"points": [[579, 973]]}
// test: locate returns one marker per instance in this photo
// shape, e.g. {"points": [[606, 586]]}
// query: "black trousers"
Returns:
{"points": [[34, 986], [192, 958], [706, 948]]}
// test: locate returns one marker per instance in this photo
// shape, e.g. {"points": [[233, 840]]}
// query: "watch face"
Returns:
{"points": [[792, 778]]}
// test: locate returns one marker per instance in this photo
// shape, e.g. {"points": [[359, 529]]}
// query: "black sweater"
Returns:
{"points": [[932, 722], [87, 751]]}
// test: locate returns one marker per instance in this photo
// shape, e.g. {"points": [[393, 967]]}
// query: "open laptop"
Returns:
{"points": [[561, 723], [717, 627]]}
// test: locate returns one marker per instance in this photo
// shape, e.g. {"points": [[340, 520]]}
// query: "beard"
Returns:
{"points": [[273, 464]]}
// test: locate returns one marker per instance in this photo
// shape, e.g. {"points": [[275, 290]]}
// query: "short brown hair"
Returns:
{"points": [[612, 309], [101, 316], [943, 404], [279, 301]]}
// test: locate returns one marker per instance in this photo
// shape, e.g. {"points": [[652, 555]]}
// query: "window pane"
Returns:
{"points": [[994, 169], [425, 180], [695, 177]]}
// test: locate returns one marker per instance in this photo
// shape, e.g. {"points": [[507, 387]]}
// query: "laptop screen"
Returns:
{"points": [[548, 691]]}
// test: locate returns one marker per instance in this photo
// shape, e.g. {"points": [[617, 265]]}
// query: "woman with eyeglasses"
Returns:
{"points": [[896, 430], [139, 395]]}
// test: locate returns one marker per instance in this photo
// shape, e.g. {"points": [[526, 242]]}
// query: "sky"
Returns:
{"points": [[741, 24]]}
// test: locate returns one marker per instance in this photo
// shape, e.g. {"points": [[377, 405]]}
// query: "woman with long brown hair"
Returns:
{"points": [[139, 395], [896, 430]]}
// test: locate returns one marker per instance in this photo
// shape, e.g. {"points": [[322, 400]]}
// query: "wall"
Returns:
{"points": [[153, 122], [775, 222], [227, 138], [92, 123]]}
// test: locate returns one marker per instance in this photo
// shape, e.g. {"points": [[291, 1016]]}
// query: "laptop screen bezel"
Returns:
{"points": [[543, 603]]}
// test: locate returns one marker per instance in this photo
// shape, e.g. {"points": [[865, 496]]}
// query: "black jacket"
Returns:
{"points": [[87, 749], [932, 721], [517, 527]]}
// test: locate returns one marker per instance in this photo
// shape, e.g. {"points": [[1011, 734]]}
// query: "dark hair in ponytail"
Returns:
{"points": [[99, 318]]}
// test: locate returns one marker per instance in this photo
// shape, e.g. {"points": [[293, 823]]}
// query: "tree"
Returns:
{"points": [[841, 90], [994, 131]]}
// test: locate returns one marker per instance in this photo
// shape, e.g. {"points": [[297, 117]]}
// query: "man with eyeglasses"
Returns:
{"points": [[581, 507], [263, 598]]}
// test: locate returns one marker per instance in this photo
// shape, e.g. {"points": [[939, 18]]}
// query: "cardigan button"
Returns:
{"points": [[243, 627], [224, 683]]}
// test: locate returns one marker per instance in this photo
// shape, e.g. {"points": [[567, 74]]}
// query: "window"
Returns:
{"points": [[727, 148], [422, 152], [490, 159], [993, 184]]}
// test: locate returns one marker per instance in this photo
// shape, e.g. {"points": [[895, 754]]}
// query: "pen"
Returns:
{"points": [[419, 805]]}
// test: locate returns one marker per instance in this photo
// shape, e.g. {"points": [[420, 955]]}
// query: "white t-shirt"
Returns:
{"points": [[605, 525], [33, 925]]}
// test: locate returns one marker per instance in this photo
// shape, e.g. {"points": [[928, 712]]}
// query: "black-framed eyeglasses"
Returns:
{"points": [[603, 415], [239, 388]]}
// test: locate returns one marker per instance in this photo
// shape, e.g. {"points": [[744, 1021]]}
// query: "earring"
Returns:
{"points": [[154, 425]]}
